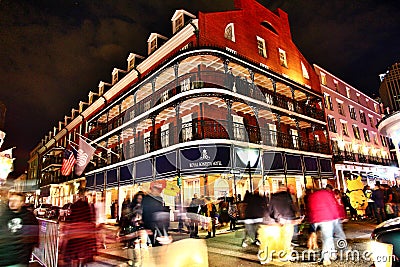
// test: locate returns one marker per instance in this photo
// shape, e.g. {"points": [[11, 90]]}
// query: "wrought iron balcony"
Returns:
{"points": [[340, 156]]}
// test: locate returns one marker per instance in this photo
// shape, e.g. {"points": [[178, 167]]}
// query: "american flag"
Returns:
{"points": [[69, 161]]}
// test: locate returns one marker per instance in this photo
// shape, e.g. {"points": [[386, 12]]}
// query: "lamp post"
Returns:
{"points": [[252, 160]]}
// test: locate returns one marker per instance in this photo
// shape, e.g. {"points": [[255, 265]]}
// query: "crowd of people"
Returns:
{"points": [[272, 222]]}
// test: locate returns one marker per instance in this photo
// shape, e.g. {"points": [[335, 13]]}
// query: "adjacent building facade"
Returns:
{"points": [[226, 104], [389, 89], [358, 148]]}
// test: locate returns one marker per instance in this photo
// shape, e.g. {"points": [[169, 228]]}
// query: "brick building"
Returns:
{"points": [[226, 104]]}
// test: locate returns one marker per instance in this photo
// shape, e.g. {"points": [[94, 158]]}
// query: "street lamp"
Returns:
{"points": [[252, 161]]}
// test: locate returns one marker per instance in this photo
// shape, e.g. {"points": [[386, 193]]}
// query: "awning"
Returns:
{"points": [[325, 167], [144, 171], [126, 175], [112, 179], [99, 181], [273, 162], [90, 182], [293, 164], [166, 165], [310, 165]]}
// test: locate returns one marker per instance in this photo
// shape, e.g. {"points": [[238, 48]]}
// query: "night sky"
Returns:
{"points": [[53, 52]]}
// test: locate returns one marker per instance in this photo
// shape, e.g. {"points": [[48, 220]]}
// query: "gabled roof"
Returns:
{"points": [[179, 12]]}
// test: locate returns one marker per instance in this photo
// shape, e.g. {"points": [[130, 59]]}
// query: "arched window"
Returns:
{"points": [[221, 188], [269, 26], [230, 32]]}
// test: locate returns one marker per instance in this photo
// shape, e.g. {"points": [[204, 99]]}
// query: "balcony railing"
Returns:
{"points": [[51, 160], [211, 79], [213, 129], [340, 156]]}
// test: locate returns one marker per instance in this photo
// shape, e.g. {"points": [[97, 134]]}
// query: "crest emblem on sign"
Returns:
{"points": [[204, 155]]}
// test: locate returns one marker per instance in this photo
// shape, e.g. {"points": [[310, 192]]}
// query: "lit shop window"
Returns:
{"points": [[230, 32], [282, 58], [261, 47]]}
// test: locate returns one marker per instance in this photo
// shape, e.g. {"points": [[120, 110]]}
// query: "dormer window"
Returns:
{"points": [[304, 70], [155, 41], [230, 32], [131, 61], [114, 76], [153, 45], [179, 23], [179, 18]]}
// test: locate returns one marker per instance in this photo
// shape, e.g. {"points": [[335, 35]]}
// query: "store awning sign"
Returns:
{"points": [[206, 158]]}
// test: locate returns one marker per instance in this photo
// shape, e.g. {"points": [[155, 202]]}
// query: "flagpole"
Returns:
{"points": [[108, 149], [93, 154]]}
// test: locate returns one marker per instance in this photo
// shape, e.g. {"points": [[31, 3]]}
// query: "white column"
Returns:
{"points": [[396, 146]]}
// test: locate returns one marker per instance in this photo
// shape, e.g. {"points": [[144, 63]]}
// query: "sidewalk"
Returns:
{"points": [[116, 255]]}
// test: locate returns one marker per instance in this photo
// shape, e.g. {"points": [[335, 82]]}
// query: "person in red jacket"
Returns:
{"points": [[324, 214]]}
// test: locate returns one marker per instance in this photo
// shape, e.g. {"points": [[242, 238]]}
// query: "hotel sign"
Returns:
{"points": [[207, 158]]}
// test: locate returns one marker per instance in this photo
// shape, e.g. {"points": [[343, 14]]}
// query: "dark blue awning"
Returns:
{"points": [[90, 182], [166, 165], [273, 162], [325, 167], [112, 179], [126, 175], [311, 165], [99, 181], [144, 171], [293, 164]]}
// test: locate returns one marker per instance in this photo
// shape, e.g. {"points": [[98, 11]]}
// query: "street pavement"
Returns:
{"points": [[223, 250]]}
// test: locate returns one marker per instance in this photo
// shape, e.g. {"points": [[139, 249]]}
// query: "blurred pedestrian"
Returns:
{"points": [[193, 212], [19, 232], [378, 196], [155, 215], [256, 207], [210, 212], [99, 206], [80, 233], [233, 214], [323, 212], [124, 222]]}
